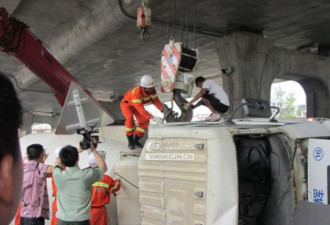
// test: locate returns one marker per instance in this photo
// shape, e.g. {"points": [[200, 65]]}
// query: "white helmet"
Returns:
{"points": [[92, 160], [57, 151], [147, 81]]}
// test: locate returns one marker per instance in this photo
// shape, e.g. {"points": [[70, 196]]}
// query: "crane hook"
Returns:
{"points": [[144, 34]]}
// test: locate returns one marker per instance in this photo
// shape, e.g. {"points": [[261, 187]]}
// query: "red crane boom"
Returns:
{"points": [[16, 39]]}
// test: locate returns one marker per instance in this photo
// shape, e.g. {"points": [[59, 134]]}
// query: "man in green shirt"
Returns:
{"points": [[74, 186]]}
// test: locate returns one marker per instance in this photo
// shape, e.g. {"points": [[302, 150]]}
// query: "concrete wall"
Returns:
{"points": [[256, 63]]}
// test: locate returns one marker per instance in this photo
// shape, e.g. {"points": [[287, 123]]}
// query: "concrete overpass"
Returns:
{"points": [[97, 41]]}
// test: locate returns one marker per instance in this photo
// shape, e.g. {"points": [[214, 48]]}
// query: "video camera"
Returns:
{"points": [[85, 143]]}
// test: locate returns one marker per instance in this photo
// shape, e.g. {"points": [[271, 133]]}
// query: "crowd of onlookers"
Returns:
{"points": [[73, 186]]}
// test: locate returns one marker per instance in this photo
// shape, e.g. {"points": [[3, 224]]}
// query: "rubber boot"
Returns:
{"points": [[137, 141], [130, 141]]}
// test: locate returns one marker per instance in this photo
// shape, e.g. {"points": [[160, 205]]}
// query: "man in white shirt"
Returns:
{"points": [[212, 96]]}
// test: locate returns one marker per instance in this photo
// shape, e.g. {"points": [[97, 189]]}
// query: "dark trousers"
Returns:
{"points": [[217, 105], [62, 222], [32, 221]]}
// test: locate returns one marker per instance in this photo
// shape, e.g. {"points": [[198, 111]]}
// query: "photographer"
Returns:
{"points": [[74, 185]]}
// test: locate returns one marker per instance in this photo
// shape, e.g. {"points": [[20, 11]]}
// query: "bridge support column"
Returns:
{"points": [[247, 55], [256, 63]]}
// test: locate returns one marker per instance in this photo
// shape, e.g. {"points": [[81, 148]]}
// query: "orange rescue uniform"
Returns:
{"points": [[18, 215], [101, 191], [54, 205], [132, 104], [18, 212]]}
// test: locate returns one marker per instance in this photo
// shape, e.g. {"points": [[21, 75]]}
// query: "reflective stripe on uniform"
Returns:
{"points": [[101, 184], [146, 98], [140, 129], [114, 187], [154, 96], [129, 129], [139, 100], [134, 90], [136, 100]]}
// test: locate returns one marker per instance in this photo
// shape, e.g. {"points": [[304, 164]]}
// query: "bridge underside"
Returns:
{"points": [[97, 41]]}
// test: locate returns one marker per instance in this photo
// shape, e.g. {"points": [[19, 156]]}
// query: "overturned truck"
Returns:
{"points": [[248, 171]]}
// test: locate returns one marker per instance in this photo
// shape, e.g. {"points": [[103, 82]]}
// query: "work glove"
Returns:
{"points": [[157, 120], [186, 106]]}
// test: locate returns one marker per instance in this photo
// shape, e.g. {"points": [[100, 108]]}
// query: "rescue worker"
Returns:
{"points": [[54, 204], [101, 191], [18, 213], [132, 104]]}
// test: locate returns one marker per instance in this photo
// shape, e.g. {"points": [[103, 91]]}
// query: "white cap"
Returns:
{"points": [[57, 152], [91, 157]]}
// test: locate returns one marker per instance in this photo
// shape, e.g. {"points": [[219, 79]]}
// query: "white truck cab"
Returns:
{"points": [[246, 172]]}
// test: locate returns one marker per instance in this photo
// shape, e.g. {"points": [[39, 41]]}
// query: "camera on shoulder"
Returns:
{"points": [[85, 143]]}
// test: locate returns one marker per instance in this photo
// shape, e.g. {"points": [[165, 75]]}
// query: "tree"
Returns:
{"points": [[285, 101], [279, 97], [289, 105]]}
